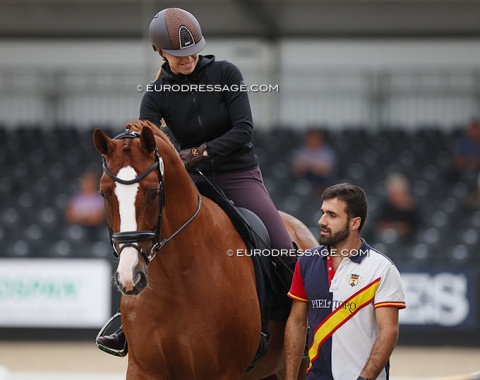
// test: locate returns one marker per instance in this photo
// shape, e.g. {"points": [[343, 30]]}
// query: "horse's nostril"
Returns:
{"points": [[140, 281], [122, 287], [133, 292]]}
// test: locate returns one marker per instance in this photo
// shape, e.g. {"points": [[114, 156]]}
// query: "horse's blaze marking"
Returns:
{"points": [[126, 195]]}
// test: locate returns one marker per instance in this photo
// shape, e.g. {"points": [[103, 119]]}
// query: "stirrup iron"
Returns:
{"points": [[122, 352]]}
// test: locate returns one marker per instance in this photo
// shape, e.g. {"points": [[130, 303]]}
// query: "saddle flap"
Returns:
{"points": [[260, 236]]}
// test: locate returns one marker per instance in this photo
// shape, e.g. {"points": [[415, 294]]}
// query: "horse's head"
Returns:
{"points": [[132, 186]]}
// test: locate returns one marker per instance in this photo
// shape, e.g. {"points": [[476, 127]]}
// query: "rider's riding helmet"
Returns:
{"points": [[176, 32]]}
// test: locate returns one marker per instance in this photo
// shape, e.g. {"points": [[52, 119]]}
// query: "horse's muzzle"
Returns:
{"points": [[131, 275], [139, 284]]}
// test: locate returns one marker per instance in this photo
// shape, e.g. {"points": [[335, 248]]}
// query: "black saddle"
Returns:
{"points": [[259, 235]]}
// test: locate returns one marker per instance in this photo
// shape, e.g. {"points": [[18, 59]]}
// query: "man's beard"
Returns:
{"points": [[336, 238]]}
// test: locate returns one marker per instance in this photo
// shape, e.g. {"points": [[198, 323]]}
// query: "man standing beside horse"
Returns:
{"points": [[349, 293]]}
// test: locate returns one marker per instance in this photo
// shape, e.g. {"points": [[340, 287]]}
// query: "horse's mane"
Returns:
{"points": [[138, 125]]}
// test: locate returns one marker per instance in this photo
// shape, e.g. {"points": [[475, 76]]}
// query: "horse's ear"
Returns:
{"points": [[148, 139], [103, 143]]}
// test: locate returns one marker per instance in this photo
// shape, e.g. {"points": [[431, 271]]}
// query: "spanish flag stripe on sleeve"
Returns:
{"points": [[338, 317], [297, 298], [400, 305], [297, 289]]}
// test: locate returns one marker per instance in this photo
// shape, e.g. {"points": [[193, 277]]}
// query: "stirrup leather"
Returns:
{"points": [[122, 352]]}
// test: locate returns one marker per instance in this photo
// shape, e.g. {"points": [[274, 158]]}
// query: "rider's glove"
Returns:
{"points": [[191, 157]]}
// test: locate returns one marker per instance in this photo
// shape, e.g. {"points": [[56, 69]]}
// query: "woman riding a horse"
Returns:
{"points": [[212, 129]]}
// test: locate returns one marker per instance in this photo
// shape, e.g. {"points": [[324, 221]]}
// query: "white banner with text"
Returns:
{"points": [[440, 298], [54, 293]]}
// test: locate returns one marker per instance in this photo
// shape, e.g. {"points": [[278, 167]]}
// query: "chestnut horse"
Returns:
{"points": [[196, 314]]}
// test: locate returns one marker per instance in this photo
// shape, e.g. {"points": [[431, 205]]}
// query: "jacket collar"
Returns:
{"points": [[362, 252]]}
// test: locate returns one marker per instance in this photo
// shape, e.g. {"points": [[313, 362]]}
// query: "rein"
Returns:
{"points": [[131, 238]]}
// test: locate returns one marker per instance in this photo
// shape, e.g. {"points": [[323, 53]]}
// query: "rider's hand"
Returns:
{"points": [[191, 157]]}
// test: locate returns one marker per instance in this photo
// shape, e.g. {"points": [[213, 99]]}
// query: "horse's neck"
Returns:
{"points": [[179, 219], [181, 195]]}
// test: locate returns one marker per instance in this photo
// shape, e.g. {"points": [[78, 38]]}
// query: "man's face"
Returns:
{"points": [[334, 223]]}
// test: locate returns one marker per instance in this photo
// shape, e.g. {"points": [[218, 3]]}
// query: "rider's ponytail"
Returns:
{"points": [[159, 72]]}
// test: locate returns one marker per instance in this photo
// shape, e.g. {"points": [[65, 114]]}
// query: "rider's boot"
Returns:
{"points": [[114, 344]]}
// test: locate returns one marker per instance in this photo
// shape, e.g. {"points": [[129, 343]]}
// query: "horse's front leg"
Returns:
{"points": [[134, 372]]}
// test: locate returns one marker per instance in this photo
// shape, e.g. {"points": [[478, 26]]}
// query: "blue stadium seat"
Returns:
{"points": [[35, 188]]}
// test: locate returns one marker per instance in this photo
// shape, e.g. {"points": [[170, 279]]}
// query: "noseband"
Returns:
{"points": [[131, 238]]}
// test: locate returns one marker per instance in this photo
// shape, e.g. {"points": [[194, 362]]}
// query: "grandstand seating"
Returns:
{"points": [[40, 169]]}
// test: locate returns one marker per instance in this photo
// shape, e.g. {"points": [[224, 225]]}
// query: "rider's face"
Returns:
{"points": [[181, 65]]}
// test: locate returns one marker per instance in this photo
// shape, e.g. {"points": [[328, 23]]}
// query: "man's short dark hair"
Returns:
{"points": [[353, 196]]}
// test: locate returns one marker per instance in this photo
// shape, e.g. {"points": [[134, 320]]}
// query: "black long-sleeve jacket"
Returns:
{"points": [[207, 106]]}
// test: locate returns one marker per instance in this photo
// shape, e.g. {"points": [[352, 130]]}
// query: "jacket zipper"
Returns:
{"points": [[200, 124], [199, 119]]}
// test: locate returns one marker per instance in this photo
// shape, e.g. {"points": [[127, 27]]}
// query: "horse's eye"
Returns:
{"points": [[153, 194]]}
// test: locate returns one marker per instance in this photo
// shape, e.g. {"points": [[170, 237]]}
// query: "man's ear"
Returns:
{"points": [[355, 223]]}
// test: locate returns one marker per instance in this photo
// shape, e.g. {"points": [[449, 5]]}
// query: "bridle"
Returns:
{"points": [[131, 238]]}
